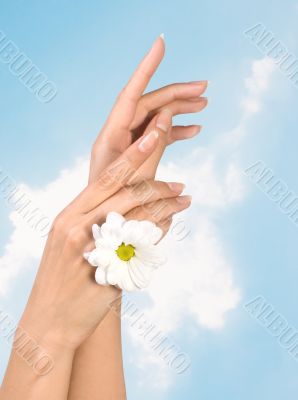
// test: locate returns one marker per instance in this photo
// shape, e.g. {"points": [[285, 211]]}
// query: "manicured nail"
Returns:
{"points": [[197, 129], [148, 142], [176, 186], [199, 83], [207, 99], [164, 120], [184, 199], [162, 35]]}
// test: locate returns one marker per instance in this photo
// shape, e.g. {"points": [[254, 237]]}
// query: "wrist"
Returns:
{"points": [[38, 348], [43, 328]]}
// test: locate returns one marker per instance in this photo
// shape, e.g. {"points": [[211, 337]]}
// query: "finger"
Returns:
{"points": [[118, 173], [162, 97], [183, 132], [165, 225], [162, 121], [159, 210], [105, 152], [186, 106], [130, 197], [124, 110]]}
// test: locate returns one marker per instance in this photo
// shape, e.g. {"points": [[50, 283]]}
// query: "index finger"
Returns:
{"points": [[125, 107]]}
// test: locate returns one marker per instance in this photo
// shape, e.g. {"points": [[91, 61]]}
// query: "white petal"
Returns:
{"points": [[115, 219], [104, 257], [115, 270], [132, 232], [100, 276], [112, 235], [150, 255], [126, 282], [139, 273], [91, 258], [100, 257], [96, 232], [151, 233]]}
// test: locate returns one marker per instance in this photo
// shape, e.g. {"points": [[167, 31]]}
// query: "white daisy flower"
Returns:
{"points": [[125, 252]]}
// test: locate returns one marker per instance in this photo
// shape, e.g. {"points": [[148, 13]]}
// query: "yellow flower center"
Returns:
{"points": [[125, 252]]}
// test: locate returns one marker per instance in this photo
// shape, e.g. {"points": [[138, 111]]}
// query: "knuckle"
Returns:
{"points": [[161, 209], [142, 191], [59, 224], [76, 237], [136, 213], [174, 91]]}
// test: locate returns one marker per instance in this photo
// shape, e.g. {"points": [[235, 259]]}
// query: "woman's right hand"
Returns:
{"points": [[134, 112], [66, 304]]}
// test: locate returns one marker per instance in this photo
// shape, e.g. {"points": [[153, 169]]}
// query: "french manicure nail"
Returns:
{"points": [[162, 36], [148, 142], [164, 120], [199, 83], [184, 199], [176, 186]]}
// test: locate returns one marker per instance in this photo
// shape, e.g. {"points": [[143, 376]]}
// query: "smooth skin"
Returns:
{"points": [[67, 312], [66, 305], [99, 358]]}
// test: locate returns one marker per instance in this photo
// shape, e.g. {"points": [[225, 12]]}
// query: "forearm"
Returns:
{"points": [[38, 368], [97, 369]]}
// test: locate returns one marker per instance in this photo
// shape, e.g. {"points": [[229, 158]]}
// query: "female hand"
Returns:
{"points": [[133, 112], [65, 301]]}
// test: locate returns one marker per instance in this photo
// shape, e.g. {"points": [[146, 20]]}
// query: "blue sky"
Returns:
{"points": [[89, 51]]}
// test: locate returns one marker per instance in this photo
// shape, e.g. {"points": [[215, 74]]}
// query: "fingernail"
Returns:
{"points": [[148, 142], [207, 99], [184, 199], [199, 83], [176, 186], [164, 120], [162, 37]]}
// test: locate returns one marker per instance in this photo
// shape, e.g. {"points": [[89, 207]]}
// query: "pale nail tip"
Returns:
{"points": [[162, 127], [166, 111], [162, 36]]}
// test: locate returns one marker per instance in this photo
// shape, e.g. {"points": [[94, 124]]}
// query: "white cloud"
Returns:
{"points": [[197, 281], [201, 283], [25, 245], [257, 84]]}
